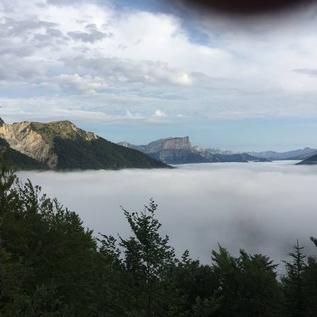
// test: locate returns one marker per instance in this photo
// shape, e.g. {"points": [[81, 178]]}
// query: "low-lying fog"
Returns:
{"points": [[261, 207]]}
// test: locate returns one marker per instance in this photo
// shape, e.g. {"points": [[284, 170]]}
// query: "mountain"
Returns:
{"points": [[61, 145], [179, 150], [170, 151], [231, 157], [300, 154], [16, 160], [309, 161]]}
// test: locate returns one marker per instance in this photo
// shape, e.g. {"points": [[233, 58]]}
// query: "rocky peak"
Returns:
{"points": [[1, 122], [36, 139], [178, 143]]}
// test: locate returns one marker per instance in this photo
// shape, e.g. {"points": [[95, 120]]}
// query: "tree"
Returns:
{"points": [[293, 283], [47, 252], [196, 285], [310, 284], [247, 284], [147, 258]]}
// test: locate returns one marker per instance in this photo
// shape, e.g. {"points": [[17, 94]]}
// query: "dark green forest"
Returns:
{"points": [[52, 266]]}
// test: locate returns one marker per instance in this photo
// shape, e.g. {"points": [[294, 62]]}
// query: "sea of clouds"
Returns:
{"points": [[260, 207]]}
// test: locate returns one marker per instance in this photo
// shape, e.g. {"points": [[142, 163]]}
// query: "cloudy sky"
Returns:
{"points": [[141, 70]]}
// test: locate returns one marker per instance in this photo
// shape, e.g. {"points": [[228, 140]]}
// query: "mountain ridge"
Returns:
{"points": [[62, 145], [296, 155], [179, 150]]}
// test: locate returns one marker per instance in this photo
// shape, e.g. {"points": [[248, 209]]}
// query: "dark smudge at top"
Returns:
{"points": [[244, 7]]}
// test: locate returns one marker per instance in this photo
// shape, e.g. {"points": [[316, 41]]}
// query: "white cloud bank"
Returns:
{"points": [[259, 207]]}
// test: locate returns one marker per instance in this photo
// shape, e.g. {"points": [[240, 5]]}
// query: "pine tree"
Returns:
{"points": [[310, 284], [293, 283]]}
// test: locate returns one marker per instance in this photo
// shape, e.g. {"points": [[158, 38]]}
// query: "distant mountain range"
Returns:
{"points": [[61, 145], [180, 151], [296, 155]]}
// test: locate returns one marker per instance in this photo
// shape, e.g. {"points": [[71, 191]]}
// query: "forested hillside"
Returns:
{"points": [[51, 266]]}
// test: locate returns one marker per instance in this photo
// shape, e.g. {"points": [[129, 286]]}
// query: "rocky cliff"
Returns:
{"points": [[23, 138], [170, 151], [174, 144], [13, 159]]}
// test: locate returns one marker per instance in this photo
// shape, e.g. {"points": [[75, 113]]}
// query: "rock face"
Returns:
{"points": [[170, 151], [180, 151], [14, 159], [174, 144], [24, 139], [62, 145]]}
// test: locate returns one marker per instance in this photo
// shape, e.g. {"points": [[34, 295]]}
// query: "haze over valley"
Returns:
{"points": [[200, 205]]}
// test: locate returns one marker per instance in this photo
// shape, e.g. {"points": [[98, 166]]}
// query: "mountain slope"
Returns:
{"points": [[99, 154], [62, 145], [16, 160], [309, 161]]}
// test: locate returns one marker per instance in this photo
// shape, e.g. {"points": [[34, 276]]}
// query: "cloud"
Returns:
{"points": [[127, 71], [159, 114], [144, 60], [23, 37], [91, 34], [238, 205], [82, 84], [306, 71]]}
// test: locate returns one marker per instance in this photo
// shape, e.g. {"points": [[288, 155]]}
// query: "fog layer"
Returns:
{"points": [[261, 207]]}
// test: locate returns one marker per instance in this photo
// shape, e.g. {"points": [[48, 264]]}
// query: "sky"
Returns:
{"points": [[237, 205], [142, 70]]}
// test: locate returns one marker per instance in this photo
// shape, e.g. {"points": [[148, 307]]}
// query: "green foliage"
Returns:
{"points": [[99, 154], [310, 285], [52, 255], [146, 259], [293, 283], [247, 284], [62, 129], [51, 266]]}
